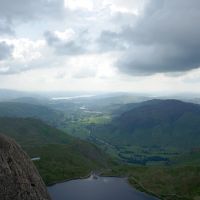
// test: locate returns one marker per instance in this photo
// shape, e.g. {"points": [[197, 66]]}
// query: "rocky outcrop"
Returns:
{"points": [[19, 179]]}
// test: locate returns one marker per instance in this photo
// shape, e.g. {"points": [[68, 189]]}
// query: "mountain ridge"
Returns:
{"points": [[166, 123]]}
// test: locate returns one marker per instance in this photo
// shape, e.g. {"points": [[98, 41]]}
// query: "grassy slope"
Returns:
{"points": [[61, 162], [189, 159], [32, 132], [165, 123], [167, 183], [23, 110], [62, 156]]}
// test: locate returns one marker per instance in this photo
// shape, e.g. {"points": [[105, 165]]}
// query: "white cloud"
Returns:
{"points": [[124, 6], [78, 4], [27, 50], [65, 36], [91, 66], [84, 39], [26, 55]]}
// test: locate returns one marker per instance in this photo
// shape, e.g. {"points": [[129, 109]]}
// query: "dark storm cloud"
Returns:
{"points": [[158, 59], [25, 10], [62, 47], [5, 50], [164, 39]]}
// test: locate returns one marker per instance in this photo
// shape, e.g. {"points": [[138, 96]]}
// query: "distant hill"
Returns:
{"points": [[31, 100], [30, 132], [109, 103], [23, 110], [61, 156], [7, 95], [162, 123]]}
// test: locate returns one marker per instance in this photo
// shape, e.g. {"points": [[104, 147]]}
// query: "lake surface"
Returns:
{"points": [[102, 188]]}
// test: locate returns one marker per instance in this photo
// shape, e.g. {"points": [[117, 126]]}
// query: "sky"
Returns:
{"points": [[100, 45]]}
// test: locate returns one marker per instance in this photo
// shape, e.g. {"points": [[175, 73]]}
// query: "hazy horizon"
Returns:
{"points": [[56, 94]]}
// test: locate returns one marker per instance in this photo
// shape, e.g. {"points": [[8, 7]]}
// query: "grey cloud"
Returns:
{"points": [[26, 9], [12, 12], [5, 50], [109, 41], [158, 59], [14, 67], [61, 47], [5, 27], [164, 39]]}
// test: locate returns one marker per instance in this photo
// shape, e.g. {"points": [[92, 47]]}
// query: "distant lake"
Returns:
{"points": [[103, 188], [72, 97]]}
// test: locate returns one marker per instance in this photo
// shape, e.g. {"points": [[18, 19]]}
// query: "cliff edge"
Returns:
{"points": [[19, 178]]}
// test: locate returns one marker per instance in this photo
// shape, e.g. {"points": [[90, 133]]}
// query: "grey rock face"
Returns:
{"points": [[19, 178]]}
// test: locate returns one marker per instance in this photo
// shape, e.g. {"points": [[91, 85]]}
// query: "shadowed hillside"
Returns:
{"points": [[23, 110], [166, 123]]}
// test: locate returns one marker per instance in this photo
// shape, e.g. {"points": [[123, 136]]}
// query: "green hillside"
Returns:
{"points": [[23, 110], [167, 183], [61, 156], [30, 132], [155, 123]]}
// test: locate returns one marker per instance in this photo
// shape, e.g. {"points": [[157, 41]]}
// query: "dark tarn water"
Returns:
{"points": [[102, 188]]}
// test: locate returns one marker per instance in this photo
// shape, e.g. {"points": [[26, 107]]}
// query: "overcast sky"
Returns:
{"points": [[100, 45]]}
